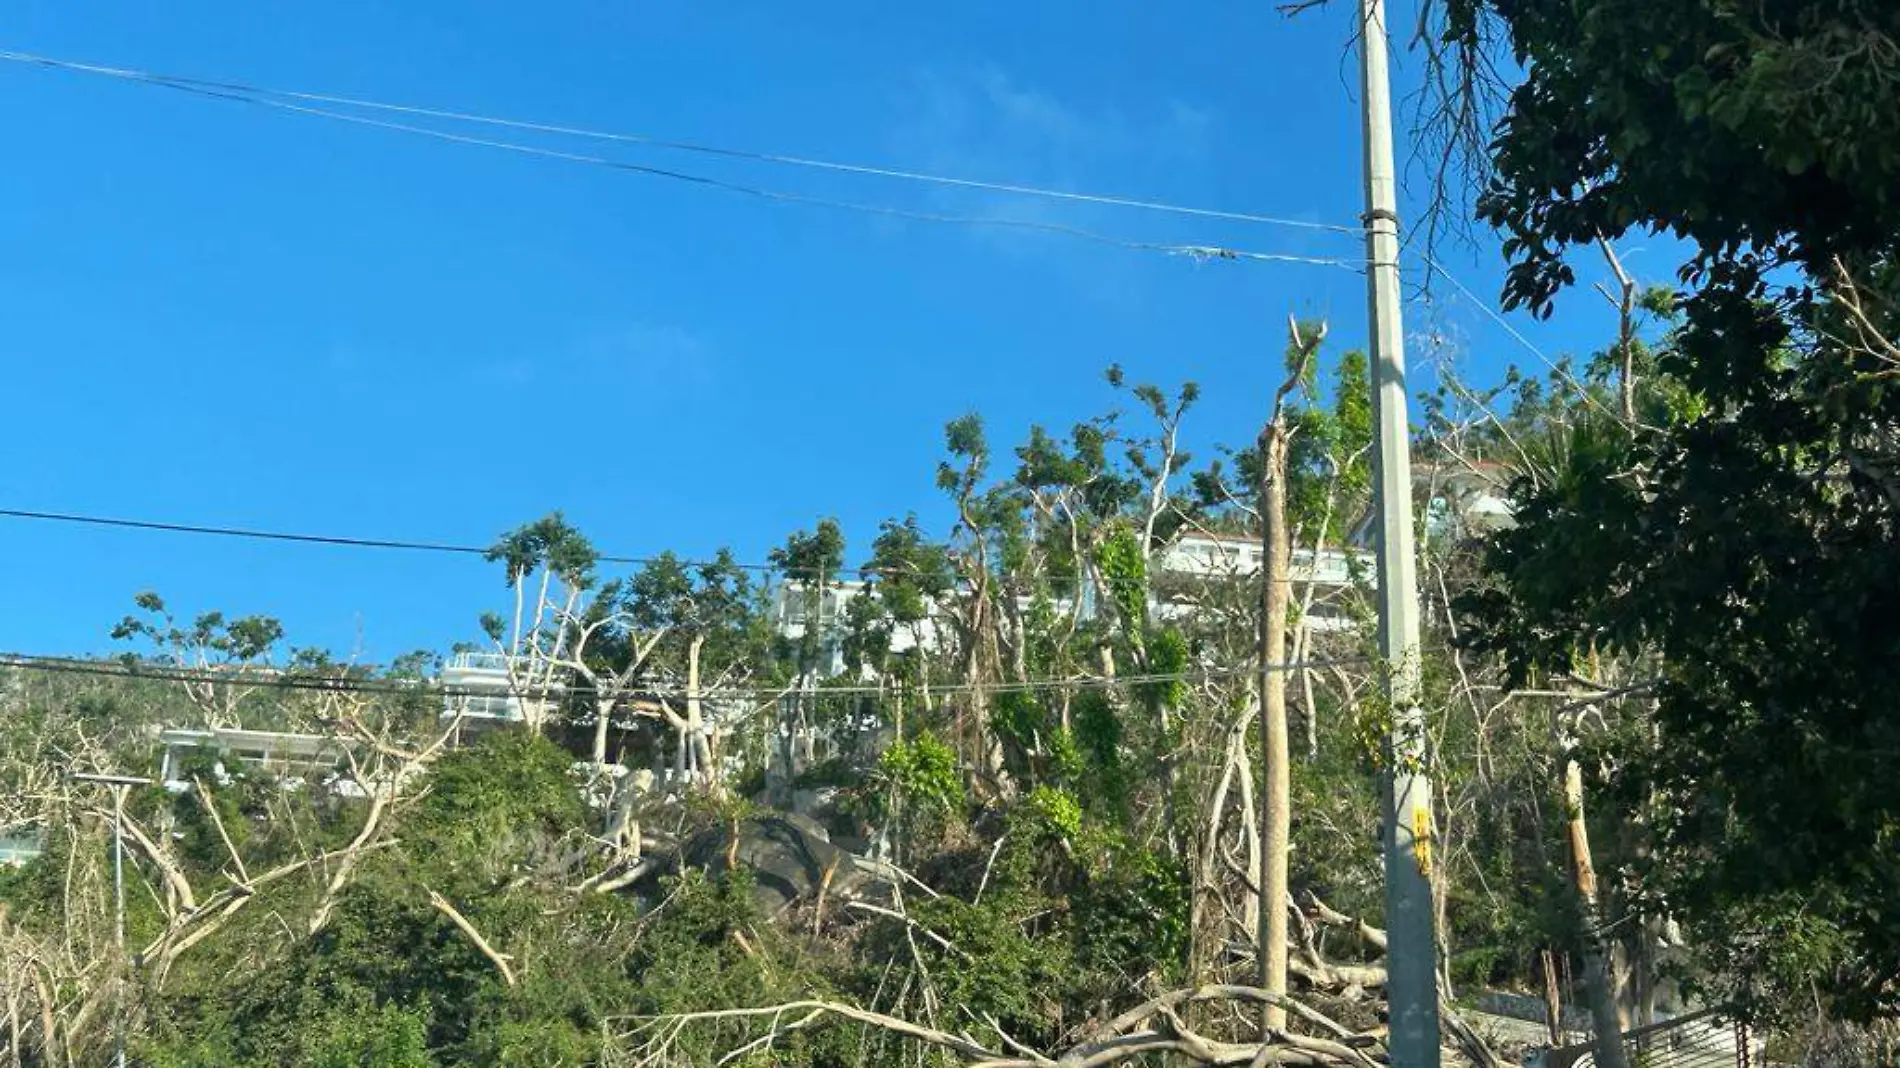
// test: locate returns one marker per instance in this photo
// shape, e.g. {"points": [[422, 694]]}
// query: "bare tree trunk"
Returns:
{"points": [[1302, 652], [1250, 828], [1598, 982], [696, 720], [1276, 801], [1276, 807], [1553, 999], [1201, 948], [1207, 943], [1303, 634], [16, 1040], [1646, 973], [1624, 300], [602, 712], [1018, 636]]}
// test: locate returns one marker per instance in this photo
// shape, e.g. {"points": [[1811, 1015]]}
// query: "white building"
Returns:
{"points": [[1193, 557], [479, 688], [20, 845], [1468, 500], [1463, 501], [791, 612], [295, 757], [1200, 558]]}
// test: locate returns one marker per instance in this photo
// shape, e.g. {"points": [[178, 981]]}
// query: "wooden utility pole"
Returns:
{"points": [[1412, 958]]}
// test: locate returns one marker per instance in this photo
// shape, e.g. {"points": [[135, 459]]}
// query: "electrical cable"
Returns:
{"points": [[1497, 317], [650, 141], [345, 541], [1196, 252], [449, 548]]}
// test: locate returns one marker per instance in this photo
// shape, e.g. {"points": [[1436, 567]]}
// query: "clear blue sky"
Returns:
{"points": [[214, 313]]}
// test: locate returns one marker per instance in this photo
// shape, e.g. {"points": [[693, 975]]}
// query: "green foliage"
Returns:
{"points": [[1064, 756], [908, 570], [709, 948], [810, 561], [926, 771], [549, 542], [967, 445], [499, 794], [1743, 540], [1124, 567], [1018, 716], [1168, 654], [236, 805], [1098, 737], [1329, 462], [1329, 459], [676, 612], [386, 1037], [377, 955], [208, 638], [1053, 811], [1131, 912], [1000, 968], [1064, 872]]}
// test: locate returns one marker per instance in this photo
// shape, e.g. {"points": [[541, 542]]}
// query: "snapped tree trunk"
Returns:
{"points": [[1276, 807], [603, 713], [1598, 983], [705, 773], [1276, 795]]}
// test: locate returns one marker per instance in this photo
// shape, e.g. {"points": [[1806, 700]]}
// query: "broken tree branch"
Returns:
{"points": [[462, 924], [211, 809]]}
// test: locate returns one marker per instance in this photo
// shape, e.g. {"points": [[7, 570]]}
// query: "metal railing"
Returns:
{"points": [[1707, 1039], [467, 660]]}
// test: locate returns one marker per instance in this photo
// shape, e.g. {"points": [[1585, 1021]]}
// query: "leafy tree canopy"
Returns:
{"points": [[1744, 532]]}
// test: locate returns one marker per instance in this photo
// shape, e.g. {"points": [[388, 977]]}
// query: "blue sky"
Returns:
{"points": [[215, 313]]}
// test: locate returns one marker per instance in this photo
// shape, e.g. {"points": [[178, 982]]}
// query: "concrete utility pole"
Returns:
{"points": [[1412, 955], [119, 784]]}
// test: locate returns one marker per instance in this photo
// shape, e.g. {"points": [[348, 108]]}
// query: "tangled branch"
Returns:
{"points": [[1155, 1026]]}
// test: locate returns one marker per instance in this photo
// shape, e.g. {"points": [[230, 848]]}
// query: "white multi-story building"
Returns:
{"points": [[1193, 558], [1320, 579], [791, 613], [479, 688], [275, 751], [1458, 502]]}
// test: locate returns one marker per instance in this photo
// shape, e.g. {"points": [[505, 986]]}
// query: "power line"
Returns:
{"points": [[1497, 317], [403, 545], [447, 548], [272, 679], [306, 539], [1198, 252], [671, 144]]}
